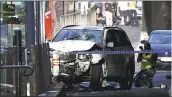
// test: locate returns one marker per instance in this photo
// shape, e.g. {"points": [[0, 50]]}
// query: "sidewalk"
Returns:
{"points": [[53, 91], [6, 90]]}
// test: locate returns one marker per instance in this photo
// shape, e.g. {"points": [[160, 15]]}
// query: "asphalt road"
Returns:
{"points": [[159, 78], [156, 91], [132, 93]]}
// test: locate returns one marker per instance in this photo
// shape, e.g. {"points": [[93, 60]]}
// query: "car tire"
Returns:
{"points": [[96, 77], [126, 82]]}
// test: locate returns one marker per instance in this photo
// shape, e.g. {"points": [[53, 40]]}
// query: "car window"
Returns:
{"points": [[79, 34], [160, 39], [120, 38]]}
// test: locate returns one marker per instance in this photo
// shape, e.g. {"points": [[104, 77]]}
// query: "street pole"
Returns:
{"points": [[37, 22], [29, 36], [63, 13], [63, 8], [30, 23], [74, 18], [74, 7], [42, 22]]}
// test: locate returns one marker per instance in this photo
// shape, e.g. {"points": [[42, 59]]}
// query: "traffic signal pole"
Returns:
{"points": [[30, 23]]}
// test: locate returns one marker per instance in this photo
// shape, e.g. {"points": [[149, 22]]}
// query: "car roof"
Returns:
{"points": [[84, 27], [161, 32]]}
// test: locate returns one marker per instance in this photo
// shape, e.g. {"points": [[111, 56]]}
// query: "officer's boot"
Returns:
{"points": [[150, 84]]}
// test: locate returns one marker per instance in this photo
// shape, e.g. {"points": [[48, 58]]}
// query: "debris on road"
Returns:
{"points": [[42, 94], [162, 86]]}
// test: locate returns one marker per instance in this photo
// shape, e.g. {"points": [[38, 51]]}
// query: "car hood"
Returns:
{"points": [[162, 47], [71, 45]]}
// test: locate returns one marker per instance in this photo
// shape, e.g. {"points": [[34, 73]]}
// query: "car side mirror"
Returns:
{"points": [[144, 41], [110, 44]]}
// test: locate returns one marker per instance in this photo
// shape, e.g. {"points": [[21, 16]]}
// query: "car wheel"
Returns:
{"points": [[96, 77], [127, 82]]}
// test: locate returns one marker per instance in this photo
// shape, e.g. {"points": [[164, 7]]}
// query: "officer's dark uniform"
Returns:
{"points": [[148, 62]]}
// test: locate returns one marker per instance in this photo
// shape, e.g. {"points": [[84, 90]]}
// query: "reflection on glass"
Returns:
{"points": [[161, 39], [80, 34]]}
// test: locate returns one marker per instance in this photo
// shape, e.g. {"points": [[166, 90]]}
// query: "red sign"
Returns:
{"points": [[48, 25]]}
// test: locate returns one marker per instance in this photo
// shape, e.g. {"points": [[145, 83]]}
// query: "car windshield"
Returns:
{"points": [[79, 34], [160, 39]]}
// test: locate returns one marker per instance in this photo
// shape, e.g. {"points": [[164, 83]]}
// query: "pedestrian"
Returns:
{"points": [[108, 14], [132, 13], [114, 14], [148, 61], [101, 21], [122, 8]]}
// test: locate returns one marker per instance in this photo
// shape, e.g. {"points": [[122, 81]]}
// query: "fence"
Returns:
{"points": [[33, 81], [78, 19]]}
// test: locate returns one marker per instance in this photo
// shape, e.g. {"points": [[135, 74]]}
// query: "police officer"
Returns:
{"points": [[148, 61], [132, 13]]}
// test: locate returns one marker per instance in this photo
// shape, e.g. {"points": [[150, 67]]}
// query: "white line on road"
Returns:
{"points": [[28, 89]]}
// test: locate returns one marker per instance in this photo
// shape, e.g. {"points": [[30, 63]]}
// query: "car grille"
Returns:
{"points": [[67, 57]]}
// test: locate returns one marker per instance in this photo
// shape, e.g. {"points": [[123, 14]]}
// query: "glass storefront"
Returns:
{"points": [[12, 16]]}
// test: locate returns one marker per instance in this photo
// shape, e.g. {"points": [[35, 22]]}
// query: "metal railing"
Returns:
{"points": [[12, 72], [78, 19], [34, 72]]}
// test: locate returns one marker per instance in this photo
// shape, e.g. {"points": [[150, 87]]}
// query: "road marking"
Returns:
{"points": [[28, 89], [53, 91], [42, 94], [6, 85]]}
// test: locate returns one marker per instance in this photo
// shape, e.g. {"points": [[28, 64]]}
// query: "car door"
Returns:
{"points": [[116, 64]]}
